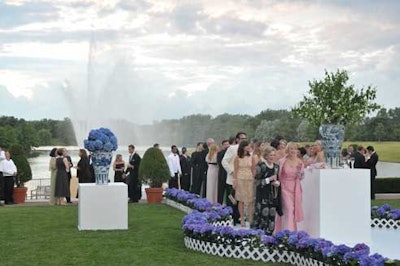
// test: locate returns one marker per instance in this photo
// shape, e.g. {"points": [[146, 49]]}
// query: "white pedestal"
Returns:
{"points": [[103, 207], [337, 205]]}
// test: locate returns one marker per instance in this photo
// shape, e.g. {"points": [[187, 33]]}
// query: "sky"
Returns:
{"points": [[149, 60]]}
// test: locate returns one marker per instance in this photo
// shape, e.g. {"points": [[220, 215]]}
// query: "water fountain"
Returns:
{"points": [[108, 97]]}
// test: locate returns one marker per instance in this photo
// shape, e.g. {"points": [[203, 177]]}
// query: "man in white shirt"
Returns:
{"points": [[9, 171], [227, 163], [174, 165], [2, 157]]}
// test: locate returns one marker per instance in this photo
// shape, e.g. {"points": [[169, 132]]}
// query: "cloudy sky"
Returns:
{"points": [[148, 60]]}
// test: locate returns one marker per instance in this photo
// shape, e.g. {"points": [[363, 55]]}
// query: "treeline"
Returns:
{"points": [[28, 134], [189, 130], [385, 126]]}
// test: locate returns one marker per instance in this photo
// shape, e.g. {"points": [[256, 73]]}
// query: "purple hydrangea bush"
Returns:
{"points": [[199, 225], [385, 212], [215, 211]]}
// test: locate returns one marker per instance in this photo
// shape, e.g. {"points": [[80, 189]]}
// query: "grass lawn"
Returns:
{"points": [[395, 204], [48, 235], [387, 151]]}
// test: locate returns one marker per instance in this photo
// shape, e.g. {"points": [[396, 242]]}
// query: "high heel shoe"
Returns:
{"points": [[242, 222]]}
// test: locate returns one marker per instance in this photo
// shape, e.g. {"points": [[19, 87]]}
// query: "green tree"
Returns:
{"points": [[332, 101], [379, 131], [8, 136], [267, 130], [153, 169], [44, 137], [24, 171]]}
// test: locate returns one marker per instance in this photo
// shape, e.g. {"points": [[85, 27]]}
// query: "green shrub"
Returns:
{"points": [[24, 172], [153, 169], [387, 185]]}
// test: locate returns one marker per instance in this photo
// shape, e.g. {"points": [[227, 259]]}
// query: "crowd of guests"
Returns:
{"points": [[260, 181], [60, 167], [356, 156]]}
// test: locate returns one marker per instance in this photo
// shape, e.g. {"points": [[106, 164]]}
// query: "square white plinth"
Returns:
{"points": [[337, 205], [103, 207]]}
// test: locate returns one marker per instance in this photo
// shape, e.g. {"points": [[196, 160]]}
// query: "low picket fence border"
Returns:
{"points": [[243, 252]]}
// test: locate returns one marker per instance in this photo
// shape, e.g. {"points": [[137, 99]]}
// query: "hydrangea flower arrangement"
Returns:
{"points": [[199, 225], [385, 212], [215, 212], [102, 139]]}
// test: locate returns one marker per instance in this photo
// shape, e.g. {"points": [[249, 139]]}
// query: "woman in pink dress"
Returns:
{"points": [[291, 172]]}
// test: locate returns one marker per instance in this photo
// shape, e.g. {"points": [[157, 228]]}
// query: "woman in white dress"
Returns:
{"points": [[212, 174]]}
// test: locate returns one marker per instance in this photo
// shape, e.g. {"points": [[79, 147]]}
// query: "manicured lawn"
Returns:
{"points": [[46, 235], [395, 204], [387, 151]]}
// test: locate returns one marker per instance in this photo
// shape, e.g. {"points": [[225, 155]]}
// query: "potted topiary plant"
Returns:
{"points": [[24, 173], [332, 104], [154, 171]]}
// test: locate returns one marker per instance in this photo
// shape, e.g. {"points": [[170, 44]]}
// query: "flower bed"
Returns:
{"points": [[203, 234], [384, 217]]}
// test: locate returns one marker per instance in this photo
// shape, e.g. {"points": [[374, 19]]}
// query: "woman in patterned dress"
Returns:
{"points": [[268, 192], [243, 181]]}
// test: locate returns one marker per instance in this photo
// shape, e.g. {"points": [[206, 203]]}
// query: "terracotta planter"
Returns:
{"points": [[19, 194], [154, 195]]}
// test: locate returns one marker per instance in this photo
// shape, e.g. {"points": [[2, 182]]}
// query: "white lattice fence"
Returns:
{"points": [[223, 223], [178, 206], [385, 224], [243, 252]]}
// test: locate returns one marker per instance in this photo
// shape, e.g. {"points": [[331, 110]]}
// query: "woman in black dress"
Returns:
{"points": [[119, 168], [196, 162], [62, 187], [83, 169], [83, 172], [268, 192]]}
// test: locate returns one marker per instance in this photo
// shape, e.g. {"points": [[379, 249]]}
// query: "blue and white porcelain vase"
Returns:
{"points": [[332, 139], [101, 161]]}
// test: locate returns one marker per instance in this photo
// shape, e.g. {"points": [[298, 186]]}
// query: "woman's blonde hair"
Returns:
{"points": [[212, 151], [267, 150], [291, 144]]}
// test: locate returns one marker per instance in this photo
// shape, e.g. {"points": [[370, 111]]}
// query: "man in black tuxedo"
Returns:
{"points": [[196, 163], [222, 174], [68, 199], [371, 163], [359, 158], [132, 176], [185, 168]]}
